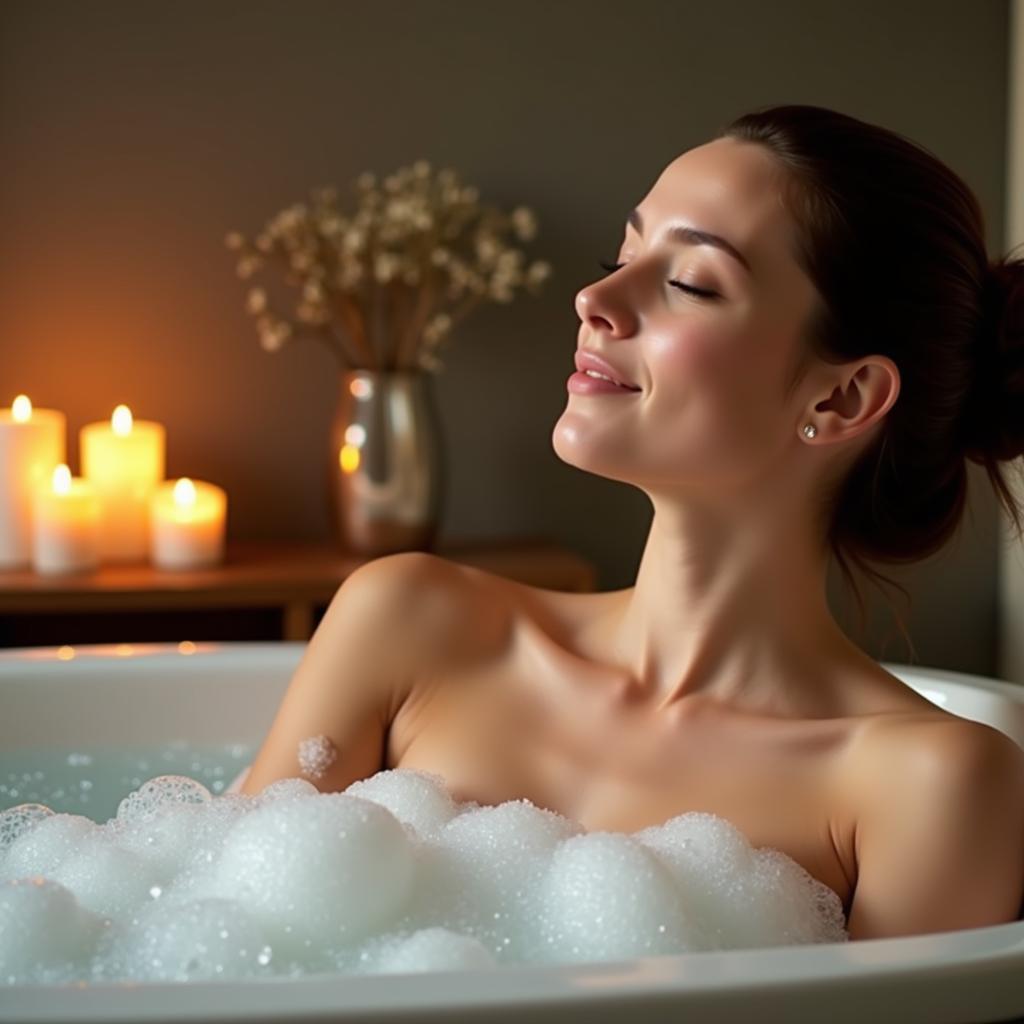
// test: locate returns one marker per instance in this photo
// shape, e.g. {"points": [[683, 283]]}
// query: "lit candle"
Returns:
{"points": [[188, 519], [124, 461], [66, 525], [31, 445]]}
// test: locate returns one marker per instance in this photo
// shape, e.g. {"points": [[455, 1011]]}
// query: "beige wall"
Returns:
{"points": [[135, 135]]}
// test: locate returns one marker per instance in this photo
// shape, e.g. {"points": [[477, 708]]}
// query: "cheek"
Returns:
{"points": [[697, 360], [721, 380]]}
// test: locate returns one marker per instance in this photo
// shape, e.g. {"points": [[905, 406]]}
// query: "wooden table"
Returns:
{"points": [[293, 576]]}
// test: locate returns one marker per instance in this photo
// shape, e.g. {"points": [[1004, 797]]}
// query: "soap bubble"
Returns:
{"points": [[328, 868], [433, 949], [16, 821], [44, 933], [164, 790], [105, 878], [195, 940], [415, 798], [286, 789], [41, 849], [606, 896]]}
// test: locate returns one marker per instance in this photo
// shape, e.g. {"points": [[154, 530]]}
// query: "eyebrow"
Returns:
{"points": [[693, 236]]}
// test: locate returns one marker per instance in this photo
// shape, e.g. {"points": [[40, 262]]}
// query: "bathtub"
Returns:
{"points": [[220, 693]]}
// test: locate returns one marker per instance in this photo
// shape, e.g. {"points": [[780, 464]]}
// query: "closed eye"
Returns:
{"points": [[700, 292]]}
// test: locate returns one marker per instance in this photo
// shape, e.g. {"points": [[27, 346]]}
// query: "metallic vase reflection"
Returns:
{"points": [[386, 474]]}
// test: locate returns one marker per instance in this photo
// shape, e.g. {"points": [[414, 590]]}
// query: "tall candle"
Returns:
{"points": [[65, 525], [32, 443], [124, 461], [188, 520]]}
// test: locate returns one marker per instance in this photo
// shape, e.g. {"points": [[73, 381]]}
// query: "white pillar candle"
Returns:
{"points": [[66, 525], [188, 521], [32, 444], [124, 461]]}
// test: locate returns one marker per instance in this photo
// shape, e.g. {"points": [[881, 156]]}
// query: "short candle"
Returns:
{"points": [[66, 525], [31, 445], [187, 524], [124, 460]]}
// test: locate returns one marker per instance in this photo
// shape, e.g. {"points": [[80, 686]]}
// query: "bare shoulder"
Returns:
{"points": [[940, 826], [937, 740], [901, 755], [437, 609]]}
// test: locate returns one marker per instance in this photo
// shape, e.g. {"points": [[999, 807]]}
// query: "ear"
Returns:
{"points": [[862, 392]]}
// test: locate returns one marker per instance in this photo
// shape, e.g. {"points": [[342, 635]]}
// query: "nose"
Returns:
{"points": [[604, 309]]}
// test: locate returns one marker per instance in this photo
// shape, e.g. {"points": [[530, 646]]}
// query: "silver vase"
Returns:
{"points": [[386, 473]]}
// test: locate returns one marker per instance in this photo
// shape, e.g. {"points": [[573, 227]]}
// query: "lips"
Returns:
{"points": [[586, 360]]}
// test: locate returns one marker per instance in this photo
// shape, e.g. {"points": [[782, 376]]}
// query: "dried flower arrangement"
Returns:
{"points": [[384, 287]]}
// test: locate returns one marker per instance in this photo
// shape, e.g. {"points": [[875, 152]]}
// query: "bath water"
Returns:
{"points": [[94, 780]]}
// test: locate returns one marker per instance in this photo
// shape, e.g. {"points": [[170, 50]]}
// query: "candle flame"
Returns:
{"points": [[184, 492], [121, 421], [61, 479], [21, 409], [349, 458]]}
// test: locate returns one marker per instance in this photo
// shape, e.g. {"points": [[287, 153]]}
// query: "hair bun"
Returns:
{"points": [[993, 424]]}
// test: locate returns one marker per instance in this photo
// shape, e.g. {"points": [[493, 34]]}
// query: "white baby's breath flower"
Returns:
{"points": [[312, 291], [248, 265], [385, 267], [256, 300], [539, 271], [524, 222], [487, 249], [437, 327], [354, 240], [272, 335], [234, 240]]}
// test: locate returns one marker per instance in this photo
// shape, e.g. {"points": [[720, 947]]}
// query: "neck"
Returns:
{"points": [[731, 607]]}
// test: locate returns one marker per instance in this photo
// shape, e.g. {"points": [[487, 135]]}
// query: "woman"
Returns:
{"points": [[813, 343]]}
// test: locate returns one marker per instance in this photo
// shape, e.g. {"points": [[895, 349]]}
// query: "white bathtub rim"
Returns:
{"points": [[738, 975]]}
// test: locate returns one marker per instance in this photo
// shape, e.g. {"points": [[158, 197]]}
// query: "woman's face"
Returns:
{"points": [[711, 365]]}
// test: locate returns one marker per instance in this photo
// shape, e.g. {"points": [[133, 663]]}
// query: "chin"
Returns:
{"points": [[575, 449]]}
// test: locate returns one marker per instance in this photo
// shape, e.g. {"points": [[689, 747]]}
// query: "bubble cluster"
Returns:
{"points": [[390, 876], [316, 755]]}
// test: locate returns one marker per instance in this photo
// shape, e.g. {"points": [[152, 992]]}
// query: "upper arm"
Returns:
{"points": [[355, 671], [941, 845]]}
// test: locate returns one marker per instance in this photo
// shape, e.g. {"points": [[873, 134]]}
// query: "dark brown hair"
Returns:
{"points": [[894, 242]]}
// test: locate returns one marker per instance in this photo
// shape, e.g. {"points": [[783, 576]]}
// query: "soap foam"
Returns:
{"points": [[391, 875], [316, 755]]}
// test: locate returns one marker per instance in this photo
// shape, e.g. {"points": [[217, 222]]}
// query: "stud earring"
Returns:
{"points": [[810, 430]]}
